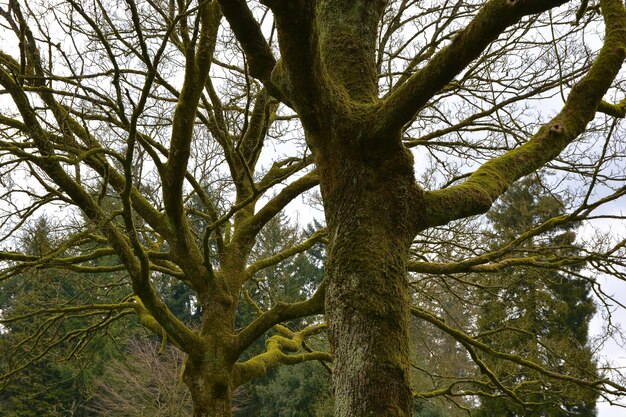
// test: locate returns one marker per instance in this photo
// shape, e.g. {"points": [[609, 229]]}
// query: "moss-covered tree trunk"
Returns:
{"points": [[210, 385], [369, 198], [368, 307], [208, 370]]}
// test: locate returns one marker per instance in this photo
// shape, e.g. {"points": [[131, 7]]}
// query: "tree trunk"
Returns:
{"points": [[369, 202], [208, 371], [210, 386], [367, 306]]}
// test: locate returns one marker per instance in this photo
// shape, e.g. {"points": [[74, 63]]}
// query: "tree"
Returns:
{"points": [[98, 108], [127, 152], [144, 382], [544, 313], [57, 357], [373, 206]]}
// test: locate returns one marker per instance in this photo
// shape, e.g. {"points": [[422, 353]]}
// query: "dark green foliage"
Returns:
{"points": [[299, 391], [47, 389], [59, 356], [540, 314], [180, 299]]}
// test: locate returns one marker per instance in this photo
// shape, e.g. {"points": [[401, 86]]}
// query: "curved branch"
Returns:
{"points": [[287, 253], [299, 73], [487, 183], [490, 22], [279, 313], [248, 230], [275, 355], [259, 55], [469, 266], [615, 110]]}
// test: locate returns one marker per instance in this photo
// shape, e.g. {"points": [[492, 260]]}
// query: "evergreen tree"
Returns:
{"points": [[302, 390], [540, 314], [51, 361], [47, 388]]}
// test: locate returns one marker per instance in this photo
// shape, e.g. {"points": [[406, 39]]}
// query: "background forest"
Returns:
{"points": [[124, 371]]}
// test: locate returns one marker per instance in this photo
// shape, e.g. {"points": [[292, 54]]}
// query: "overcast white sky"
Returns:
{"points": [[613, 351]]}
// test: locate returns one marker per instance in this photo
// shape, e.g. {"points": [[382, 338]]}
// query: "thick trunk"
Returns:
{"points": [[208, 374], [211, 388], [369, 201], [368, 310]]}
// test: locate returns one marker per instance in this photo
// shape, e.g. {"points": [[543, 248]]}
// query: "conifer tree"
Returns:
{"points": [[541, 314]]}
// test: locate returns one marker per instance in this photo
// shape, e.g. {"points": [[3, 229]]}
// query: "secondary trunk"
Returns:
{"points": [[210, 385], [208, 371], [369, 201]]}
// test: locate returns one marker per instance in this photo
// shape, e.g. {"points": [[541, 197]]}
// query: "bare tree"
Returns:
{"points": [[111, 116], [145, 382], [328, 74]]}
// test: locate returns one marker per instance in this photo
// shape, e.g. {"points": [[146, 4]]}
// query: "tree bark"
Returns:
{"points": [[208, 371], [209, 379], [367, 306], [369, 201]]}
